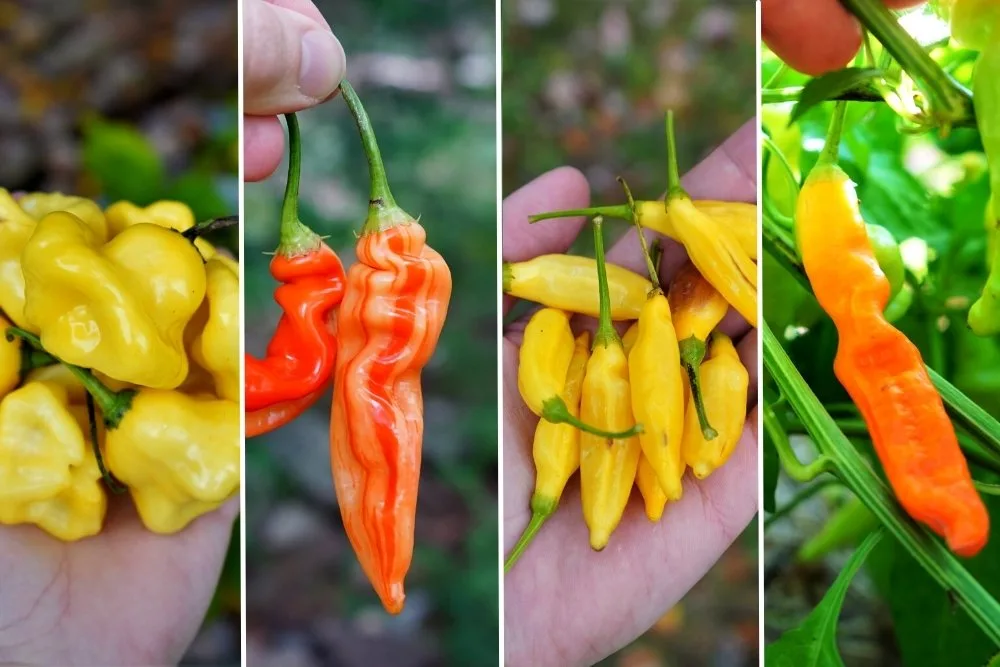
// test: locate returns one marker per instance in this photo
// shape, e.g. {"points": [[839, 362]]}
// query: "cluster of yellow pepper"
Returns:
{"points": [[114, 308], [669, 395]]}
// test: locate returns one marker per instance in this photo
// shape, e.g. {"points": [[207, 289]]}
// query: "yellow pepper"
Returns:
{"points": [[48, 472], [724, 382], [10, 359], [556, 451], [608, 466], [697, 308], [16, 227], [217, 347], [739, 218], [654, 371], [179, 456], [40, 204], [653, 496], [546, 352], [170, 214], [120, 308], [569, 282], [628, 340]]}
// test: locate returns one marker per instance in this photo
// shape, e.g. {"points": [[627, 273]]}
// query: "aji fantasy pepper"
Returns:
{"points": [[217, 345], [556, 452], [170, 214], [546, 352], [119, 308], [879, 367], [40, 204], [654, 375], [301, 355], [984, 315], [697, 308], [569, 282], [178, 455], [607, 465], [16, 228], [48, 474], [10, 360], [388, 326], [725, 383]]}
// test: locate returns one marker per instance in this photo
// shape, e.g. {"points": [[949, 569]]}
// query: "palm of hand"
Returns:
{"points": [[124, 597], [564, 604]]}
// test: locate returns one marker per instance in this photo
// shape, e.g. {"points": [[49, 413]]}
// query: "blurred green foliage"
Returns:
{"points": [[930, 192], [436, 133]]}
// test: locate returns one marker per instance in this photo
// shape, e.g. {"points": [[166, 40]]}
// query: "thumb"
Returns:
{"points": [[290, 62]]}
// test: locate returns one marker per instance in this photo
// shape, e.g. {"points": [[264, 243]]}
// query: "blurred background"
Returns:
{"points": [[587, 84], [116, 99], [427, 80]]}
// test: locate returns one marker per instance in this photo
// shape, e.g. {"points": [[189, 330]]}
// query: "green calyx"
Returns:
{"points": [[692, 352], [383, 212], [541, 509], [508, 276], [554, 410], [296, 239]]}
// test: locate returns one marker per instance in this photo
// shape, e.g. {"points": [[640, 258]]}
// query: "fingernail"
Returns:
{"points": [[322, 64]]}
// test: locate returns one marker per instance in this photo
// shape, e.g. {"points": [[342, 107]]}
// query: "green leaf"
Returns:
{"points": [[814, 641], [830, 86], [123, 161]]}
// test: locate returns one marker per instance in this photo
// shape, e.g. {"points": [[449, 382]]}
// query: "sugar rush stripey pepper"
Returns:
{"points": [[556, 452], [881, 369], [569, 282], [697, 308], [275, 416], [725, 383], [48, 473], [303, 350], [388, 326], [119, 308], [607, 465], [546, 353], [654, 372]]}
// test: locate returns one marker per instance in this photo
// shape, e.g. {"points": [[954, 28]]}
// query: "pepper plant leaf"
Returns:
{"points": [[832, 85], [814, 642]]}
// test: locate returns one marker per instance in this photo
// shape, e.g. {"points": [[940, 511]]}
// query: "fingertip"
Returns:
{"points": [[810, 36], [263, 147], [561, 188]]}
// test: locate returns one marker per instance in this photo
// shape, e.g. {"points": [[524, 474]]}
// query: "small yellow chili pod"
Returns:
{"points": [[652, 493]]}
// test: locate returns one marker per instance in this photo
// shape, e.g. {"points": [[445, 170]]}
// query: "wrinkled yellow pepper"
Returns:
{"points": [[10, 359], [179, 456], [16, 227], [217, 347], [725, 384], [171, 214], [121, 308], [48, 472], [40, 204]]}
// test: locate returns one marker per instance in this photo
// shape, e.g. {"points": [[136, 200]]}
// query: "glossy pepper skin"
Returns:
{"points": [[48, 473], [725, 383], [217, 346], [10, 360], [607, 465], [170, 214], [179, 456], [16, 228], [697, 308], [975, 24], [888, 256], [881, 369], [569, 282], [653, 496], [302, 352], [984, 315], [40, 204], [274, 417], [119, 308], [556, 452], [388, 326]]}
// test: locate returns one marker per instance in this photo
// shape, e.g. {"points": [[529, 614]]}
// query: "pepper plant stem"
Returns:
{"points": [[295, 237], [790, 463]]}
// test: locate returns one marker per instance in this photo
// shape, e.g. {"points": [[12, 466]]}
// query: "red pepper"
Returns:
{"points": [[274, 417], [301, 355]]}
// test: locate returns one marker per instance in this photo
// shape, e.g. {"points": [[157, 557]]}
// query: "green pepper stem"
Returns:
{"points": [[620, 212], [114, 404], [832, 148], [674, 189], [208, 226], [383, 212], [692, 352], [654, 274], [95, 443], [296, 239], [605, 334], [32, 359], [541, 510], [554, 410]]}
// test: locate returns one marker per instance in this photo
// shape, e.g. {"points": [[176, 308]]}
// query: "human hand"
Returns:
{"points": [[292, 61], [124, 597], [565, 604], [814, 36]]}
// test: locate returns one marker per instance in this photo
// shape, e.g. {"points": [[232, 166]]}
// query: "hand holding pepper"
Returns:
{"points": [[550, 617]]}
